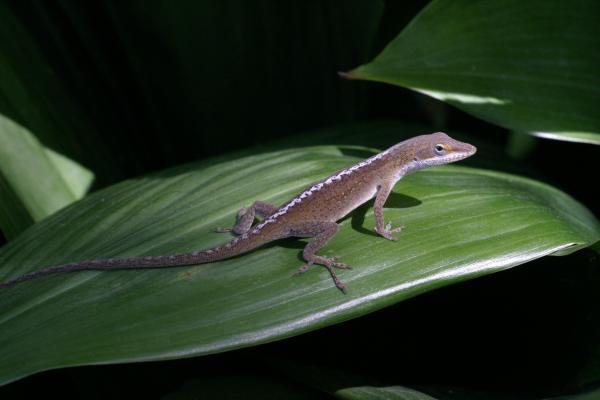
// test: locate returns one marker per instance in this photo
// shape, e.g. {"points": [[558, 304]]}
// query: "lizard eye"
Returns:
{"points": [[439, 149]]}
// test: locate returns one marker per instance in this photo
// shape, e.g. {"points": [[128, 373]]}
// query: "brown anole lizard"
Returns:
{"points": [[313, 213]]}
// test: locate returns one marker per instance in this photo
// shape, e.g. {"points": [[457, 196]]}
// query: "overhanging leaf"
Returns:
{"points": [[529, 66], [460, 223]]}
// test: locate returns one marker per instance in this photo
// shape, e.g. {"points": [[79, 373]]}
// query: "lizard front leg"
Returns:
{"points": [[321, 232], [383, 191], [245, 217]]}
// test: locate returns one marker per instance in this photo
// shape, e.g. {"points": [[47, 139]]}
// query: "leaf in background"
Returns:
{"points": [[35, 94], [529, 66], [129, 87], [35, 182], [77, 178], [460, 223]]}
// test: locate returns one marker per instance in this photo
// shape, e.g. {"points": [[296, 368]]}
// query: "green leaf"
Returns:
{"points": [[78, 178], [34, 181], [460, 223], [529, 66]]}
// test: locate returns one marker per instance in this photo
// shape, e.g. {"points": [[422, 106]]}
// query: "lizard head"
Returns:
{"points": [[438, 148]]}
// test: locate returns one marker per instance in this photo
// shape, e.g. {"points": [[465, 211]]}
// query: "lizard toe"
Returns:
{"points": [[303, 269], [397, 230]]}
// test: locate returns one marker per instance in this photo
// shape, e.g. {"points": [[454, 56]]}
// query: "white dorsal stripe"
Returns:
{"points": [[316, 187]]}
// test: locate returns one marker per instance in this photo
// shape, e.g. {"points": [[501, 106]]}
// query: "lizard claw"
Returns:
{"points": [[388, 230], [340, 285], [303, 269], [336, 264]]}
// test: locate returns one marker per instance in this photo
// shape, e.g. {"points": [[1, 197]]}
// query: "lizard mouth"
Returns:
{"points": [[465, 151]]}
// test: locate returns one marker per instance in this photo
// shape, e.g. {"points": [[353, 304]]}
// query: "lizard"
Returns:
{"points": [[313, 213]]}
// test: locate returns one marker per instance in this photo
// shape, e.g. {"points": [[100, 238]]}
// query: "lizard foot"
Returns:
{"points": [[330, 263], [387, 232]]}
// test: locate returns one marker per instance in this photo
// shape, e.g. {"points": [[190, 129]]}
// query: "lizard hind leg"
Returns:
{"points": [[245, 217], [321, 232]]}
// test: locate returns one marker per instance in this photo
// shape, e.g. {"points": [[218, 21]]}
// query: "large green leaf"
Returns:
{"points": [[460, 223], [530, 66], [34, 181]]}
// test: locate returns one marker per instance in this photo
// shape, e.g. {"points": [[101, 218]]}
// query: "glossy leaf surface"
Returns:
{"points": [[460, 223], [530, 66]]}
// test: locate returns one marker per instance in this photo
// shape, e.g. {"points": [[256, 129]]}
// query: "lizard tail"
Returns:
{"points": [[238, 245]]}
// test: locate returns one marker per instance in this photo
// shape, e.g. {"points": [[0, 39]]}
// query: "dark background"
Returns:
{"points": [[155, 84]]}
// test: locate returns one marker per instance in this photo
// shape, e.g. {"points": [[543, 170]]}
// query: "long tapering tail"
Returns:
{"points": [[114, 263], [238, 245]]}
